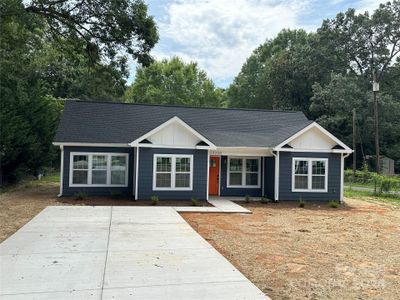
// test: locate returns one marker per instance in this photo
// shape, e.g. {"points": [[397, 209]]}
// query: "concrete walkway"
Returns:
{"points": [[220, 206], [82, 252]]}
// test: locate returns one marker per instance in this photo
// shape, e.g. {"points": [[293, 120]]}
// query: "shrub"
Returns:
{"points": [[195, 202], [154, 200], [264, 200], [247, 198], [333, 204], [80, 195], [302, 203]]}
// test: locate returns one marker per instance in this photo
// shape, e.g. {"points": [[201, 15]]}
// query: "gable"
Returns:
{"points": [[174, 134], [313, 139]]}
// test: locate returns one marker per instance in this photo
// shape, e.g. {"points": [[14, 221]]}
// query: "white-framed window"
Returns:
{"points": [[98, 169], [172, 172], [243, 172], [309, 174]]}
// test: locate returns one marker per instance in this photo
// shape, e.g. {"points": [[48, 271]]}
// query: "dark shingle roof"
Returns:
{"points": [[104, 122]]}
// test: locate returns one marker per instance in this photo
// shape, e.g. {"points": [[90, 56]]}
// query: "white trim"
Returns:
{"points": [[172, 146], [276, 188], [309, 175], [173, 172], [208, 174], [119, 145], [137, 173], [342, 176], [61, 171], [243, 186], [315, 150], [262, 176], [89, 169], [323, 130], [165, 124]]}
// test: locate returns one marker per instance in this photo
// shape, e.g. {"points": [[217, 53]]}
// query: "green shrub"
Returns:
{"points": [[154, 200], [247, 198], [195, 202], [264, 200], [333, 203], [80, 195], [302, 203]]}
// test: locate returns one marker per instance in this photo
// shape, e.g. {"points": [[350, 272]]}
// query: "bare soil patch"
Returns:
{"points": [[21, 204], [316, 252]]}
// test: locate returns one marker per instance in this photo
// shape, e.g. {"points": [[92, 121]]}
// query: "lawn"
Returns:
{"points": [[316, 252]]}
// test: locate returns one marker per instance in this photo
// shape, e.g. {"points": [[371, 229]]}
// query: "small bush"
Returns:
{"points": [[302, 203], [247, 198], [80, 195], [195, 202], [116, 194], [154, 200], [333, 204], [264, 200]]}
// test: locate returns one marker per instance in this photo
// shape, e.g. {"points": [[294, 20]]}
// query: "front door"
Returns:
{"points": [[213, 186]]}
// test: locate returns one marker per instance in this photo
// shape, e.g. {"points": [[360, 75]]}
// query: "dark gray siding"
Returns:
{"points": [[285, 177], [97, 191], [145, 184], [269, 177], [225, 191]]}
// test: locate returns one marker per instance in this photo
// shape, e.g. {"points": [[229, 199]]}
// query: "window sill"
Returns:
{"points": [[243, 186], [98, 185], [172, 189], [309, 191]]}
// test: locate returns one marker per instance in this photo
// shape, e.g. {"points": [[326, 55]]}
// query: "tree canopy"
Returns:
{"points": [[174, 82]]}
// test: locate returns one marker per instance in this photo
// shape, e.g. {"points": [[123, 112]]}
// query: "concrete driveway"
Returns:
{"points": [[81, 252]]}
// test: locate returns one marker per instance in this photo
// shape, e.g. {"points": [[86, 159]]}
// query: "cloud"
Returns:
{"points": [[221, 34]]}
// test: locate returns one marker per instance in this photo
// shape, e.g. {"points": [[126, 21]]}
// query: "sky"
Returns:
{"points": [[220, 34]]}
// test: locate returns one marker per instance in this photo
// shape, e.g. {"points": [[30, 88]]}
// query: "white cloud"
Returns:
{"points": [[368, 5], [221, 34]]}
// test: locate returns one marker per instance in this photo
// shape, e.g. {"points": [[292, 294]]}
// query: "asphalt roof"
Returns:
{"points": [[107, 122]]}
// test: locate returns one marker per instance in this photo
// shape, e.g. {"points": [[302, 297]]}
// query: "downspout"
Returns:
{"points": [[263, 177], [276, 192], [342, 176], [61, 171]]}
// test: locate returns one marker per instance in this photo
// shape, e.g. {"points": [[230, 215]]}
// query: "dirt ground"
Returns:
{"points": [[316, 252], [20, 205]]}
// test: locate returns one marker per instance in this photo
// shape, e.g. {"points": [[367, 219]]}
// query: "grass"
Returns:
{"points": [[371, 196]]}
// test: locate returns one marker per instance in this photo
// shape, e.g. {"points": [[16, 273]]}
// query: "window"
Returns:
{"points": [[244, 172], [173, 172], [99, 169], [310, 175]]}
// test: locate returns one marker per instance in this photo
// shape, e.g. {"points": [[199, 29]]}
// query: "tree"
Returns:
{"points": [[370, 44], [174, 82], [108, 27], [280, 73]]}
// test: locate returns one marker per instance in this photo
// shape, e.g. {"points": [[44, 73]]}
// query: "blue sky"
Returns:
{"points": [[220, 34]]}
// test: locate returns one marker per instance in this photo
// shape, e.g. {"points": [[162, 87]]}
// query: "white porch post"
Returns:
{"points": [[137, 173], [61, 171], [208, 173]]}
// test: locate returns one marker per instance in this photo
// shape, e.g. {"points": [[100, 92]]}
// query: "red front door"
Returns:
{"points": [[213, 186]]}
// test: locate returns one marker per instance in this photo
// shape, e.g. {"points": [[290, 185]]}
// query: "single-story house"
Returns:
{"points": [[177, 152]]}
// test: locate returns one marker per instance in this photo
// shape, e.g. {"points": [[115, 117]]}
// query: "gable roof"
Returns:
{"points": [[121, 123]]}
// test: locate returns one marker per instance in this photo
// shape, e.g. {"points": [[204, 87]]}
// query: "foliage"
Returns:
{"points": [[80, 195], [265, 200], [247, 198], [174, 82], [154, 200], [195, 202], [302, 203], [107, 27], [333, 203], [116, 194]]}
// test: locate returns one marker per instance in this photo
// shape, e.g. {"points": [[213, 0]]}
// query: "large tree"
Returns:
{"points": [[174, 82]]}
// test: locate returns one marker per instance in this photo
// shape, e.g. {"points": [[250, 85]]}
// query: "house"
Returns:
{"points": [[179, 152]]}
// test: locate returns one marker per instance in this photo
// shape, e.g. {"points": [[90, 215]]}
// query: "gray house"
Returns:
{"points": [[179, 152]]}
